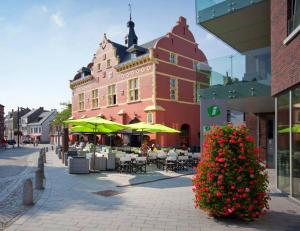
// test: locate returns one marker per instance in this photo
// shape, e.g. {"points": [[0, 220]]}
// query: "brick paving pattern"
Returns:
{"points": [[69, 203]]}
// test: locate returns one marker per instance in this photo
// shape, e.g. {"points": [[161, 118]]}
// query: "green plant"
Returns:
{"points": [[230, 180]]}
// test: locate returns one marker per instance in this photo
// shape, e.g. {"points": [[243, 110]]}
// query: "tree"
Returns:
{"points": [[63, 115]]}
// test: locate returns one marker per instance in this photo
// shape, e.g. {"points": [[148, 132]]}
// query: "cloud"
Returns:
{"points": [[44, 9], [58, 19]]}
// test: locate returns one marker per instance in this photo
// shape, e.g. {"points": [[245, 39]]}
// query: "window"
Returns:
{"points": [[150, 117], [196, 65], [197, 92], [81, 101], [108, 63], [283, 144], [173, 58], [293, 15], [31, 130], [35, 130], [99, 66], [173, 89], [112, 97], [95, 98], [133, 90], [40, 130]]}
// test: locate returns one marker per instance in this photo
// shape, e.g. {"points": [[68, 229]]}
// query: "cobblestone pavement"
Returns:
{"points": [[16, 165], [70, 203]]}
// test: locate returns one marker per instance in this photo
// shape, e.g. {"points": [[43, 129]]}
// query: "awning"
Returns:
{"points": [[33, 135]]}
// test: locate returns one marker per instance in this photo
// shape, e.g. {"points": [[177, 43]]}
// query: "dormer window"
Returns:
{"points": [[173, 58]]}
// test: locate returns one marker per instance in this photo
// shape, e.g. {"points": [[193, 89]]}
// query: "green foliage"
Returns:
{"points": [[63, 115]]}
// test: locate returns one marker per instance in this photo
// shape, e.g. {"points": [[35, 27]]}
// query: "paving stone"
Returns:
{"points": [[69, 204]]}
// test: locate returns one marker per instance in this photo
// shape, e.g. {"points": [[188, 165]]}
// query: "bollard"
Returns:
{"points": [[27, 192], [66, 159], [59, 154], [39, 179], [41, 166]]}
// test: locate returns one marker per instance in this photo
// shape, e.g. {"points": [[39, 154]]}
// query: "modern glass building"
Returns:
{"points": [[241, 82], [266, 35]]}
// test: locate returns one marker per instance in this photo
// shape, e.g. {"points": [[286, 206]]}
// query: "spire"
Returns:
{"points": [[131, 38], [129, 5]]}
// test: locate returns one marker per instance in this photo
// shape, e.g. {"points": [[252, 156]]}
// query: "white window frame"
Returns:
{"points": [[136, 88], [111, 95], [173, 58], [95, 98], [150, 117], [108, 63], [81, 102], [173, 88]]}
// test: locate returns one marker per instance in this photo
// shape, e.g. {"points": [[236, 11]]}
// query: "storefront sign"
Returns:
{"points": [[213, 111]]}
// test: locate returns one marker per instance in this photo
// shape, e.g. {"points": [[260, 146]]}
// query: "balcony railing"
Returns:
{"points": [[255, 65], [210, 9]]}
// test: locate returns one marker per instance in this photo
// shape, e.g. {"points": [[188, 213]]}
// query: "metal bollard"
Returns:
{"points": [[27, 192], [39, 179]]}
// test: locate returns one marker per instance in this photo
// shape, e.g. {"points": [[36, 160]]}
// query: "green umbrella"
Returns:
{"points": [[96, 124], [155, 128], [295, 129], [163, 128], [83, 129]]}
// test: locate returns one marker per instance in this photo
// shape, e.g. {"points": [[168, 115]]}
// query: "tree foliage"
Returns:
{"points": [[63, 115]]}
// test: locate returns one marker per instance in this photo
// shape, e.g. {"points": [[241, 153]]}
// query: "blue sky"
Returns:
{"points": [[44, 42]]}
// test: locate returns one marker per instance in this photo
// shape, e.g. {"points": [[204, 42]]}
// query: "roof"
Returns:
{"points": [[124, 52], [151, 43], [42, 117], [30, 112]]}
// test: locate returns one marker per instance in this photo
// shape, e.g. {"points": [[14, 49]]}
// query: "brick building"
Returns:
{"points": [[155, 82], [285, 49], [1, 122]]}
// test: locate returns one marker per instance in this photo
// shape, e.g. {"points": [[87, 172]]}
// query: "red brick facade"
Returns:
{"points": [[285, 58], [153, 69]]}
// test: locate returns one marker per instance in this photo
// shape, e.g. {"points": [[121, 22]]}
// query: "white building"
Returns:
{"points": [[39, 129]]}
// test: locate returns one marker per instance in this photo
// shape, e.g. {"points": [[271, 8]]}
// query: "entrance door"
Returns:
{"points": [[185, 135]]}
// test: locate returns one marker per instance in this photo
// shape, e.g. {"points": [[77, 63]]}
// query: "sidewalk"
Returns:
{"points": [[70, 203]]}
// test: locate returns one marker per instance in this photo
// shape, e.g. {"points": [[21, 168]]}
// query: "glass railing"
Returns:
{"points": [[209, 9], [255, 65]]}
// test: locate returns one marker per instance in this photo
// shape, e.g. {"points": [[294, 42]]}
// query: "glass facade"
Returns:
{"points": [[288, 142], [296, 143], [283, 144], [249, 66], [209, 9]]}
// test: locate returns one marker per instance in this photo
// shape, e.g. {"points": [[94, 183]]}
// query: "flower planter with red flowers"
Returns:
{"points": [[230, 180]]}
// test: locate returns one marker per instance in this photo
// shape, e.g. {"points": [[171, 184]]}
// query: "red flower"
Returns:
{"points": [[219, 194], [242, 157]]}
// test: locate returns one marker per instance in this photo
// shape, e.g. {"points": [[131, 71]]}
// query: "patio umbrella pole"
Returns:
{"points": [[94, 151]]}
